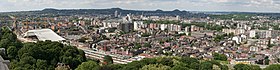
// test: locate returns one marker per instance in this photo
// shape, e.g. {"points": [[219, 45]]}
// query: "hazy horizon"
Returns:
{"points": [[166, 5]]}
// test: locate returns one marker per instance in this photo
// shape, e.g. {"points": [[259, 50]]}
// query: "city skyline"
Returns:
{"points": [[188, 5]]}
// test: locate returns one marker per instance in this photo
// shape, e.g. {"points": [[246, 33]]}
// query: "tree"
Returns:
{"points": [[219, 38], [137, 46], [41, 65], [145, 35], [28, 60], [224, 67], [216, 67], [165, 61], [116, 66], [179, 67], [206, 66], [83, 39], [221, 57], [106, 67], [258, 37], [108, 59], [147, 45], [50, 53], [40, 55], [266, 60], [242, 67], [135, 65], [231, 34], [269, 44], [272, 67], [190, 62], [10, 36], [255, 67], [4, 43], [155, 67], [12, 52], [149, 61], [89, 65], [17, 44]]}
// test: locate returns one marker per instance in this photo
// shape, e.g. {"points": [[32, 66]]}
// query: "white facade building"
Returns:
{"points": [[137, 25], [252, 34]]}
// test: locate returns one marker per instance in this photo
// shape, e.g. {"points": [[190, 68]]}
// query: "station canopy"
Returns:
{"points": [[44, 34]]}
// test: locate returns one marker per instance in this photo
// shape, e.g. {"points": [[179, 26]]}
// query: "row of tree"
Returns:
{"points": [[170, 63], [159, 63], [256, 67]]}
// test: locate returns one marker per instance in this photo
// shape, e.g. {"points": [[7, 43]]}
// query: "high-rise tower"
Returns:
{"points": [[116, 13]]}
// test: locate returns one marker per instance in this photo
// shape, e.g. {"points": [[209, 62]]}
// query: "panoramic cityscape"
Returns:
{"points": [[139, 35]]}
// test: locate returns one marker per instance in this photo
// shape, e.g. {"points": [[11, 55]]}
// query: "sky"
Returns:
{"points": [[188, 5]]}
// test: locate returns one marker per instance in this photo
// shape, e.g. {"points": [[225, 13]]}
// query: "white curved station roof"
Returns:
{"points": [[44, 34]]}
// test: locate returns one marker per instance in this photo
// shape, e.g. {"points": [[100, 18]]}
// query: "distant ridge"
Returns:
{"points": [[123, 12], [50, 9], [110, 11]]}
